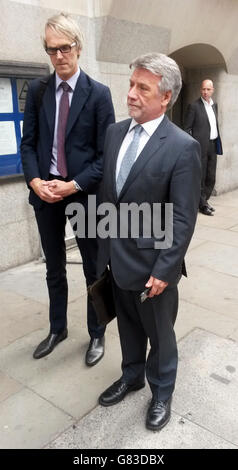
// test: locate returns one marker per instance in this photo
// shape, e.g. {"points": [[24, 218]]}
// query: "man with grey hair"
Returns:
{"points": [[149, 159], [65, 120]]}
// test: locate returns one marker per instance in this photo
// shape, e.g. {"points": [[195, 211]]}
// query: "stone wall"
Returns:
{"points": [[115, 32], [19, 239], [20, 36]]}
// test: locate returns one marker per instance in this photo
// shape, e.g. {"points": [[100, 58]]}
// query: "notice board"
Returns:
{"points": [[11, 120], [14, 83]]}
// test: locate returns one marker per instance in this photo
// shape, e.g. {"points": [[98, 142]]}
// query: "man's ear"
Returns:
{"points": [[166, 98], [78, 52]]}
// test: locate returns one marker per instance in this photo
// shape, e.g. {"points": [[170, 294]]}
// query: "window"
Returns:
{"points": [[14, 82]]}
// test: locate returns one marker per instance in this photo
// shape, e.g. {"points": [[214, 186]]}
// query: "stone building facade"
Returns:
{"points": [[200, 35]]}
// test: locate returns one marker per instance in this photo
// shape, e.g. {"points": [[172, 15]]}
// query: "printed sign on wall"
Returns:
{"points": [[12, 103]]}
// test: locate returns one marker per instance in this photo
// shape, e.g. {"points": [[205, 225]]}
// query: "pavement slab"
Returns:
{"points": [[216, 256], [20, 316], [191, 316], [63, 373], [8, 387], [29, 280], [210, 289], [27, 421], [197, 421], [207, 383], [52, 403]]}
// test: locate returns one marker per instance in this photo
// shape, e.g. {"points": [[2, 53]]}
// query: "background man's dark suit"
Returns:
{"points": [[197, 124], [91, 111], [167, 170]]}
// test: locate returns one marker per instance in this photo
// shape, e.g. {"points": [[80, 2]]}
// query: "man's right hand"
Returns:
{"points": [[43, 191]]}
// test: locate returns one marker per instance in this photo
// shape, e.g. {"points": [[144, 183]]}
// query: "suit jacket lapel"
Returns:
{"points": [[153, 145], [203, 110], [81, 93], [214, 107], [49, 104]]}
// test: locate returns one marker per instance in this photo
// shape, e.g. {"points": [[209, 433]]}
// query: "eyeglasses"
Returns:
{"points": [[63, 49]]}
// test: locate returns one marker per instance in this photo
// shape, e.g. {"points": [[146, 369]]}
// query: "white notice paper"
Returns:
{"points": [[6, 105], [8, 142]]}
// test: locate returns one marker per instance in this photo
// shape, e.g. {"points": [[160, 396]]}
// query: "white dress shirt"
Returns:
{"points": [[212, 118], [148, 129], [58, 93]]}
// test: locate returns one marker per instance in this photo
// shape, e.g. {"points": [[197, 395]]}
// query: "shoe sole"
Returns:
{"points": [[133, 389], [157, 428], [49, 352]]}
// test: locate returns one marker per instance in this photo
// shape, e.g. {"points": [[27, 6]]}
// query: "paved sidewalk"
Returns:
{"points": [[52, 402]]}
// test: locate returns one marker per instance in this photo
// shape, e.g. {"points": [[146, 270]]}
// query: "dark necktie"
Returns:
{"points": [[61, 129], [128, 159]]}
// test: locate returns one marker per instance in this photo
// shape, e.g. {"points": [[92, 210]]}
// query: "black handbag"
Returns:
{"points": [[101, 295]]}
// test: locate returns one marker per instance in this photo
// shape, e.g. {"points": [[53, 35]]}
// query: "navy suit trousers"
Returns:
{"points": [[209, 165], [51, 220], [154, 320]]}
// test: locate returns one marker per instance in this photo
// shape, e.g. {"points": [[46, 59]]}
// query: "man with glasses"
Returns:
{"points": [[61, 151]]}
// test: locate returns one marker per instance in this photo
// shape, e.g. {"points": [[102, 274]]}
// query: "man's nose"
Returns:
{"points": [[132, 93], [59, 54]]}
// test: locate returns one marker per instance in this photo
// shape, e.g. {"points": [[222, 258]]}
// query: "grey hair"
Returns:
{"points": [[65, 24], [164, 67]]}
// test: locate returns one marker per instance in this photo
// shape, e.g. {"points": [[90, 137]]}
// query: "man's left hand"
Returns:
{"points": [[61, 188], [157, 286]]}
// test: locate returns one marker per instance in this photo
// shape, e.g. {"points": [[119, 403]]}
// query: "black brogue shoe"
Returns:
{"points": [[158, 414], [117, 391]]}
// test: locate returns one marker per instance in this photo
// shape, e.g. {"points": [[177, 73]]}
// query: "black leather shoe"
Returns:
{"points": [[117, 391], [158, 414], [95, 351], [210, 207], [49, 343], [205, 210]]}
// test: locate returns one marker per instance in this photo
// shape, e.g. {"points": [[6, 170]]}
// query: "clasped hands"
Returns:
{"points": [[52, 191]]}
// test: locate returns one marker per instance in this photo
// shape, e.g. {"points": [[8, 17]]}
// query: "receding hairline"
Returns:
{"points": [[207, 80]]}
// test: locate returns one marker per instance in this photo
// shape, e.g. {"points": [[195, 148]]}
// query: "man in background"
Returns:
{"points": [[201, 122], [62, 149]]}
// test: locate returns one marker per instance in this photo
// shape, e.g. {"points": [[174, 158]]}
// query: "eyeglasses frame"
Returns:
{"points": [[59, 49]]}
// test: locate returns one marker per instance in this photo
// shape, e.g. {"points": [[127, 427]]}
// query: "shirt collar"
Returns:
{"points": [[71, 81], [206, 103], [149, 126]]}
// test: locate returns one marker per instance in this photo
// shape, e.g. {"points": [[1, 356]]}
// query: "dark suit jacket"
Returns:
{"points": [[167, 170], [196, 123], [91, 111]]}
